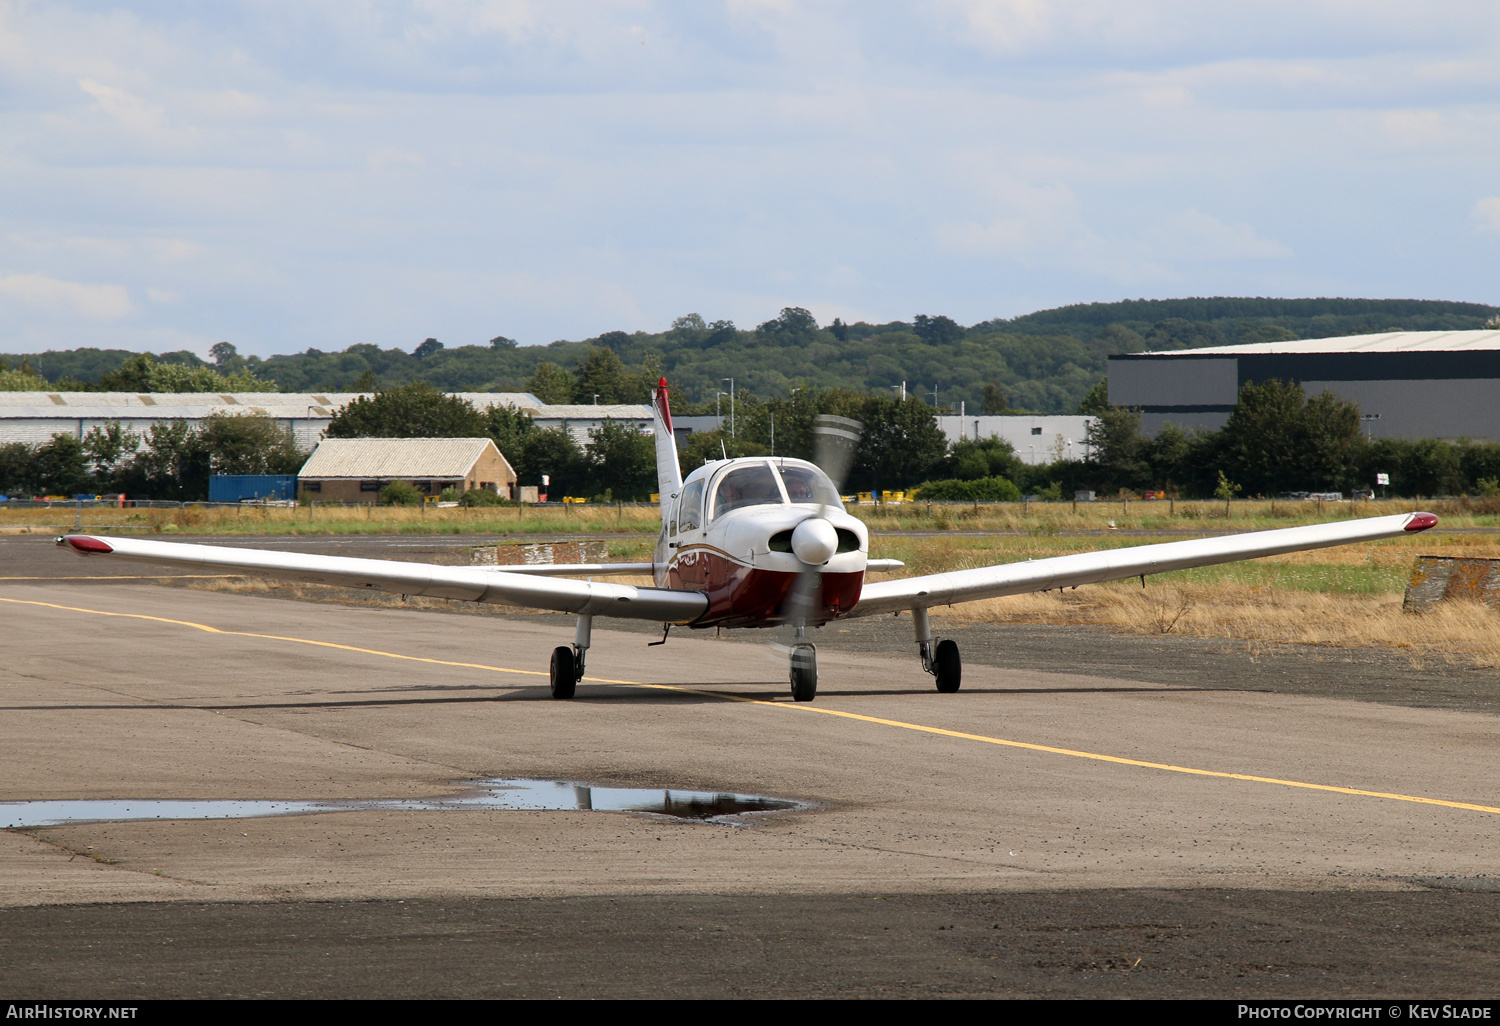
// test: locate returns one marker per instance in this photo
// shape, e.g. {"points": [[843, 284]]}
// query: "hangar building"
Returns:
{"points": [[34, 417], [1036, 439], [355, 469], [1408, 384]]}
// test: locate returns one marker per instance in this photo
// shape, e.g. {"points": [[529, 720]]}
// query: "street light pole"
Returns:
{"points": [[732, 433]]}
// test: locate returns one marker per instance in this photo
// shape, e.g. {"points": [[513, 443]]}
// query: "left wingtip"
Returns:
{"points": [[83, 544], [1421, 522]]}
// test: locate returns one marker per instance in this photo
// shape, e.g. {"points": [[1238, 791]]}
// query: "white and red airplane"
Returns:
{"points": [[750, 542]]}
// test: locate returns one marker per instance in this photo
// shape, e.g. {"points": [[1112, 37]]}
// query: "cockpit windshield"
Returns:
{"points": [[754, 485], [806, 485]]}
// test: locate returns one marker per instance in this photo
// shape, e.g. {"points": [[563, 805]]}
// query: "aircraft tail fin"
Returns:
{"points": [[668, 470]]}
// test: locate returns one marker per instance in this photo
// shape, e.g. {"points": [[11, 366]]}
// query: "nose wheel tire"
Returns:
{"points": [[804, 673], [564, 673], [947, 666]]}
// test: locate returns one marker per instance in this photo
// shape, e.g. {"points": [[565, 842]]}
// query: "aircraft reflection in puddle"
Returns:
{"points": [[498, 794]]}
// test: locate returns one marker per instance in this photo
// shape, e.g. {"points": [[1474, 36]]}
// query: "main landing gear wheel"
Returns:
{"points": [[564, 672], [947, 666], [804, 673]]}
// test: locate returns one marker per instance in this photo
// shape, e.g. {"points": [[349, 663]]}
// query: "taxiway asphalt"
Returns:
{"points": [[1125, 807]]}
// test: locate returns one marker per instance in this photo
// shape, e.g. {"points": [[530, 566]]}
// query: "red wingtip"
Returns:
{"points": [[1421, 522], [84, 544]]}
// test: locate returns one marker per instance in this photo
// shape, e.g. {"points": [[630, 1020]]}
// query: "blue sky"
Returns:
{"points": [[293, 175]]}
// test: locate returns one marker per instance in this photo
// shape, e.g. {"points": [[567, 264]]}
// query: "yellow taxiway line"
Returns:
{"points": [[801, 707]]}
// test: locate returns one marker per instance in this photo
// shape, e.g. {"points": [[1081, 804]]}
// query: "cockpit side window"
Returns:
{"points": [[805, 485], [754, 485], [690, 507]]}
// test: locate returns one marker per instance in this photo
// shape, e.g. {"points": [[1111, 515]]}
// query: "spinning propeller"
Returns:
{"points": [[815, 540]]}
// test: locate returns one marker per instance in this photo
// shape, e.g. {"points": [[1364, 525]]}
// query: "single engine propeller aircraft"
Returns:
{"points": [[751, 542]]}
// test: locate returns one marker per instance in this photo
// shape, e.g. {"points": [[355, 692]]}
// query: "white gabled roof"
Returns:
{"points": [[391, 458], [1380, 342]]}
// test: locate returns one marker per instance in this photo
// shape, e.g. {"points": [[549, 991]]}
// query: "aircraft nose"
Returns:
{"points": [[815, 541]]}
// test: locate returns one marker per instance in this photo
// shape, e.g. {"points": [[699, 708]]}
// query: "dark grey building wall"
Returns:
{"points": [[1416, 394]]}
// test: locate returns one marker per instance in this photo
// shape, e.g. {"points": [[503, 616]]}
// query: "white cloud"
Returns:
{"points": [[1035, 219], [389, 158], [129, 110], [1006, 26], [95, 302], [372, 171], [1191, 235], [1487, 213]]}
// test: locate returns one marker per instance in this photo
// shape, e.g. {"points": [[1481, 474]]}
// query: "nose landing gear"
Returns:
{"points": [[804, 667], [804, 672]]}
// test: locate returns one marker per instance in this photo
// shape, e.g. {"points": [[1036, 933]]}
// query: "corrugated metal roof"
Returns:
{"points": [[1380, 342], [387, 458], [169, 405], [582, 411]]}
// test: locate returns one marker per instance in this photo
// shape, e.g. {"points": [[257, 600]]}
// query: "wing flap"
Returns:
{"points": [[1116, 564], [463, 583]]}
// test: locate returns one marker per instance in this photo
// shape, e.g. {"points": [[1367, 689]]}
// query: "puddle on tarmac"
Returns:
{"points": [[586, 551], [531, 795]]}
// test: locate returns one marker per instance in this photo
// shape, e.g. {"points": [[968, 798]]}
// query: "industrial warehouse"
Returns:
{"points": [[1407, 384], [34, 417]]}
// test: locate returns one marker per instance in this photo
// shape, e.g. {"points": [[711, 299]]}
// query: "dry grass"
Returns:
{"points": [[1041, 519], [1345, 596], [1260, 614], [1065, 517], [583, 519]]}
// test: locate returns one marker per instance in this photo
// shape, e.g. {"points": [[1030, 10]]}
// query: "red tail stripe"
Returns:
{"points": [[661, 404]]}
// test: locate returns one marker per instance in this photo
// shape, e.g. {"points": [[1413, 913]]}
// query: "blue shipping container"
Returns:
{"points": [[239, 487]]}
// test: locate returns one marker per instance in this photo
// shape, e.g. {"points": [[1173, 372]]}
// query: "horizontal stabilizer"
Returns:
{"points": [[577, 569]]}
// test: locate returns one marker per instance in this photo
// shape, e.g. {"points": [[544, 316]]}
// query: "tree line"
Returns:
{"points": [[1277, 440], [1042, 362]]}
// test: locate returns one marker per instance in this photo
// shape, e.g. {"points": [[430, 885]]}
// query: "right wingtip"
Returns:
{"points": [[1421, 522]]}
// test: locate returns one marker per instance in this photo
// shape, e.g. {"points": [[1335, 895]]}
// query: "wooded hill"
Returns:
{"points": [[1043, 362]]}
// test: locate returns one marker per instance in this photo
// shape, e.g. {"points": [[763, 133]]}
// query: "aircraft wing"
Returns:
{"points": [[465, 583], [1116, 564]]}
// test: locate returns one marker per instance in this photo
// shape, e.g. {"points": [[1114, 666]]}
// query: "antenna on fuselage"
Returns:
{"points": [[722, 449]]}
